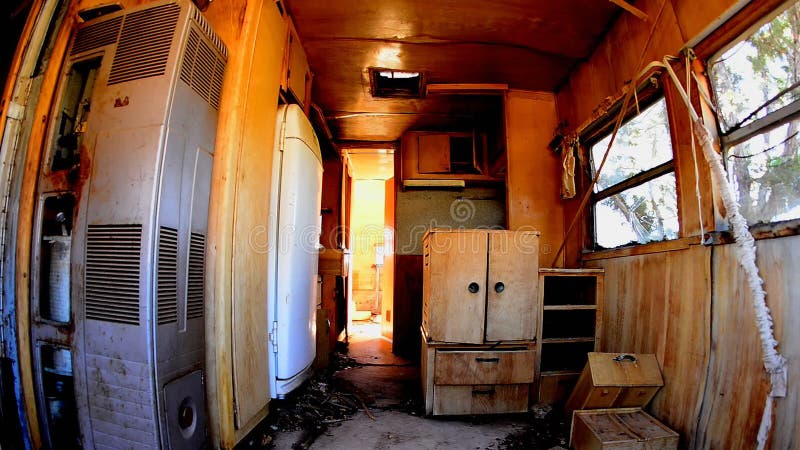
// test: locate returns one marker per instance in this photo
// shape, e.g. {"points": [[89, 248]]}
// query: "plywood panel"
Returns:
{"points": [[236, 326], [533, 185], [660, 303], [737, 383]]}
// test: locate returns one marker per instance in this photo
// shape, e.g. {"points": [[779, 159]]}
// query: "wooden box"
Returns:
{"points": [[624, 428], [614, 380]]}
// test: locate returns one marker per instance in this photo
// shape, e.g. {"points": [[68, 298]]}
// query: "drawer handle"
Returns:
{"points": [[474, 287], [483, 392], [488, 360], [499, 287]]}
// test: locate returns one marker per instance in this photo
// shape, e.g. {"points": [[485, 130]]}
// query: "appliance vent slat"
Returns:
{"points": [[202, 69], [195, 292], [189, 56], [167, 275], [144, 44], [204, 25], [112, 273], [97, 35]]}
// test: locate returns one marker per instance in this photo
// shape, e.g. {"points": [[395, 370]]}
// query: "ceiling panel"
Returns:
{"points": [[527, 44]]}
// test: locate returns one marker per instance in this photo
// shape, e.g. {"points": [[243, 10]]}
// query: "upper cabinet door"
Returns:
{"points": [[434, 153], [512, 286], [457, 287]]}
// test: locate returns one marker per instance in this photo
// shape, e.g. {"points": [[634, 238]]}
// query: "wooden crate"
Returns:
{"points": [[622, 428], [613, 380]]}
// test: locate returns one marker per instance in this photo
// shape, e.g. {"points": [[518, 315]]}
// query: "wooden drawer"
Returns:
{"points": [[471, 367], [480, 399]]}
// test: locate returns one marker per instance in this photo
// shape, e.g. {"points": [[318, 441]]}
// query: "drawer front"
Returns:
{"points": [[462, 367], [480, 399]]}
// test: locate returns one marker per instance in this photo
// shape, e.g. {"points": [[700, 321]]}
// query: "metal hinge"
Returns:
{"points": [[273, 336], [235, 412]]}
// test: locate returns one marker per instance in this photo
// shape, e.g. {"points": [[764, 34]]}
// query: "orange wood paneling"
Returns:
{"points": [[534, 171]]}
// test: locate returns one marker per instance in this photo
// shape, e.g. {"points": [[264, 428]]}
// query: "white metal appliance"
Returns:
{"points": [[123, 201], [294, 230]]}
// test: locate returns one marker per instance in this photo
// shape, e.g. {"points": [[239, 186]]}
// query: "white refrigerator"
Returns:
{"points": [[293, 248]]}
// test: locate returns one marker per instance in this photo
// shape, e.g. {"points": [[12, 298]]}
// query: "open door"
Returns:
{"points": [[387, 279]]}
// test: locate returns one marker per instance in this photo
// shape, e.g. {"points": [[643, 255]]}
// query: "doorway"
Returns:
{"points": [[370, 297]]}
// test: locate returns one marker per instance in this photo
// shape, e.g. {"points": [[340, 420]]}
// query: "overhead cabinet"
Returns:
{"points": [[480, 286]]}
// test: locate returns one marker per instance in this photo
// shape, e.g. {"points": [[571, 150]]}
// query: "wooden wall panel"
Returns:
{"points": [[660, 303], [737, 383], [236, 327], [692, 309], [534, 171], [407, 306]]}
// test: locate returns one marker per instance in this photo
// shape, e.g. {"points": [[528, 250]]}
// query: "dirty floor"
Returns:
{"points": [[371, 399]]}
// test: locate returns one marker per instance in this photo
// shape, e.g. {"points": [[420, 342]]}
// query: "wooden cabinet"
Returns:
{"points": [[435, 155], [571, 306], [296, 78], [479, 320], [480, 286]]}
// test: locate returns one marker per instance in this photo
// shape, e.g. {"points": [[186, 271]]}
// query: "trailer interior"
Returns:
{"points": [[640, 158]]}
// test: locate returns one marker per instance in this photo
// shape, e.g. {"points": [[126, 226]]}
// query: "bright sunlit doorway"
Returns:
{"points": [[371, 237]]}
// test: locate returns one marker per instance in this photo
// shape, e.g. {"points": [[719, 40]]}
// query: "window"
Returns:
{"points": [[635, 199], [757, 90]]}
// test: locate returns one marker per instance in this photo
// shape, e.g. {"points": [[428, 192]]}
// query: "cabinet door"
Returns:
{"points": [[457, 262], [512, 286], [434, 153]]}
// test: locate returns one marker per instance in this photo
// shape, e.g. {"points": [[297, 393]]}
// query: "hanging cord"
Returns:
{"points": [[689, 56], [628, 95], [774, 362]]}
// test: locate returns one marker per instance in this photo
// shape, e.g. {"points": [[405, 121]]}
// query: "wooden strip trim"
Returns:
{"points": [[631, 9], [636, 180], [762, 125], [643, 249]]}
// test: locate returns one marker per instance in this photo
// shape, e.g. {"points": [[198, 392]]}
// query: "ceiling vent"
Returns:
{"points": [[395, 83]]}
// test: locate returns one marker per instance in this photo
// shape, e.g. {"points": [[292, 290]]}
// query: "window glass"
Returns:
{"points": [[761, 68], [635, 200], [641, 144], [758, 103], [765, 174]]}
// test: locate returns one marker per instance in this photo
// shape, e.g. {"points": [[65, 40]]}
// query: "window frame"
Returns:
{"points": [[649, 96], [760, 126]]}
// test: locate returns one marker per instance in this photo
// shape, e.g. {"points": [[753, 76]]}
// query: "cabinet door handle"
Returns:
{"points": [[483, 392], [499, 287], [474, 287], [488, 360]]}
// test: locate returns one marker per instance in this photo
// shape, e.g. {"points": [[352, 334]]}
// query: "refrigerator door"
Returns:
{"points": [[295, 254]]}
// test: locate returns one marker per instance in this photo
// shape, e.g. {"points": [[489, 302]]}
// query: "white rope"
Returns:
{"points": [[774, 362], [694, 153]]}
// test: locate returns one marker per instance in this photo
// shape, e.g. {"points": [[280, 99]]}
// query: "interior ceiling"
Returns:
{"points": [[369, 164], [527, 44]]}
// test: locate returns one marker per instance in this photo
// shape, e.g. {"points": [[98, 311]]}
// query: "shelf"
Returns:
{"points": [[567, 340], [568, 307]]}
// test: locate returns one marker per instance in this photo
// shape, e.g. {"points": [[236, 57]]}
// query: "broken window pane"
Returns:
{"points": [[758, 101], [765, 173], [758, 75], [641, 144], [642, 214]]}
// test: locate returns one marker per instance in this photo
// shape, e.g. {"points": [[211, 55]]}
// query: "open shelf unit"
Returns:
{"points": [[571, 310]]}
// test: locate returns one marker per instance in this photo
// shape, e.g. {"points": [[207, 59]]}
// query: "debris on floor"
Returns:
{"points": [[545, 428]]}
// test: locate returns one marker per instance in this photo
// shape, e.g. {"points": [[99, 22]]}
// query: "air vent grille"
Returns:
{"points": [[202, 69], [144, 45], [167, 275], [195, 290], [112, 273], [97, 35], [203, 24]]}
